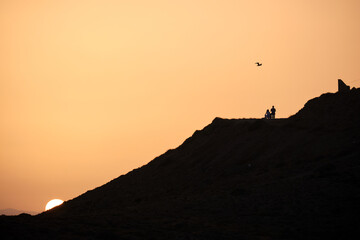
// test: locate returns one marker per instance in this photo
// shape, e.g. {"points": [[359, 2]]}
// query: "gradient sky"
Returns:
{"points": [[90, 90]]}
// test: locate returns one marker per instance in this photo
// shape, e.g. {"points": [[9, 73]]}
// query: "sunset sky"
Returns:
{"points": [[90, 90]]}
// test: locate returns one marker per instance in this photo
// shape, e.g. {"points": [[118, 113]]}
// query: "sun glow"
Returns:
{"points": [[53, 203]]}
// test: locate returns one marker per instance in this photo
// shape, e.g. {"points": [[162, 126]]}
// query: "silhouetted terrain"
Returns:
{"points": [[295, 178], [12, 212]]}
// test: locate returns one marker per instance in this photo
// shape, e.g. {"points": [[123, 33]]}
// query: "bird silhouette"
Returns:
{"points": [[258, 64]]}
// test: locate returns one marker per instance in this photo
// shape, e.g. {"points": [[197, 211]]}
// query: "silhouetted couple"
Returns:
{"points": [[271, 115]]}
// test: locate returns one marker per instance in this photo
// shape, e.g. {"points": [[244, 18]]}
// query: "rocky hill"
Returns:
{"points": [[295, 178]]}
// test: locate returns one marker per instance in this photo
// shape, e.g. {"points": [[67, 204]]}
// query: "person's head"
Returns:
{"points": [[273, 106]]}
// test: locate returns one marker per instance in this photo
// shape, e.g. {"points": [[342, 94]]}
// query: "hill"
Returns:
{"points": [[294, 178], [13, 212]]}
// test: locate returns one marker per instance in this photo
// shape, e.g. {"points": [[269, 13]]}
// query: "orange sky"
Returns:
{"points": [[92, 89]]}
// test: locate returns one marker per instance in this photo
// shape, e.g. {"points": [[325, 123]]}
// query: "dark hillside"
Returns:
{"points": [[339, 110], [295, 178]]}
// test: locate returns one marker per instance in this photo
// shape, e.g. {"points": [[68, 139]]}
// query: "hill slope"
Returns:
{"points": [[294, 178]]}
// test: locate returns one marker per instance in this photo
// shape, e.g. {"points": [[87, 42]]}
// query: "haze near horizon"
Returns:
{"points": [[93, 89]]}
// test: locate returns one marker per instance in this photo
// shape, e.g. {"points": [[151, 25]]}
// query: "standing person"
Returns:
{"points": [[267, 114], [273, 110]]}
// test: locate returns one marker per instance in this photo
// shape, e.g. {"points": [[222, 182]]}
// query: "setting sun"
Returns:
{"points": [[53, 203]]}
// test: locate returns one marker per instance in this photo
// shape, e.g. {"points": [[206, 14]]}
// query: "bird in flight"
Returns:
{"points": [[258, 64]]}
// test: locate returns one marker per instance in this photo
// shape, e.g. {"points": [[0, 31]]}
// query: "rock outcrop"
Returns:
{"points": [[342, 87]]}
